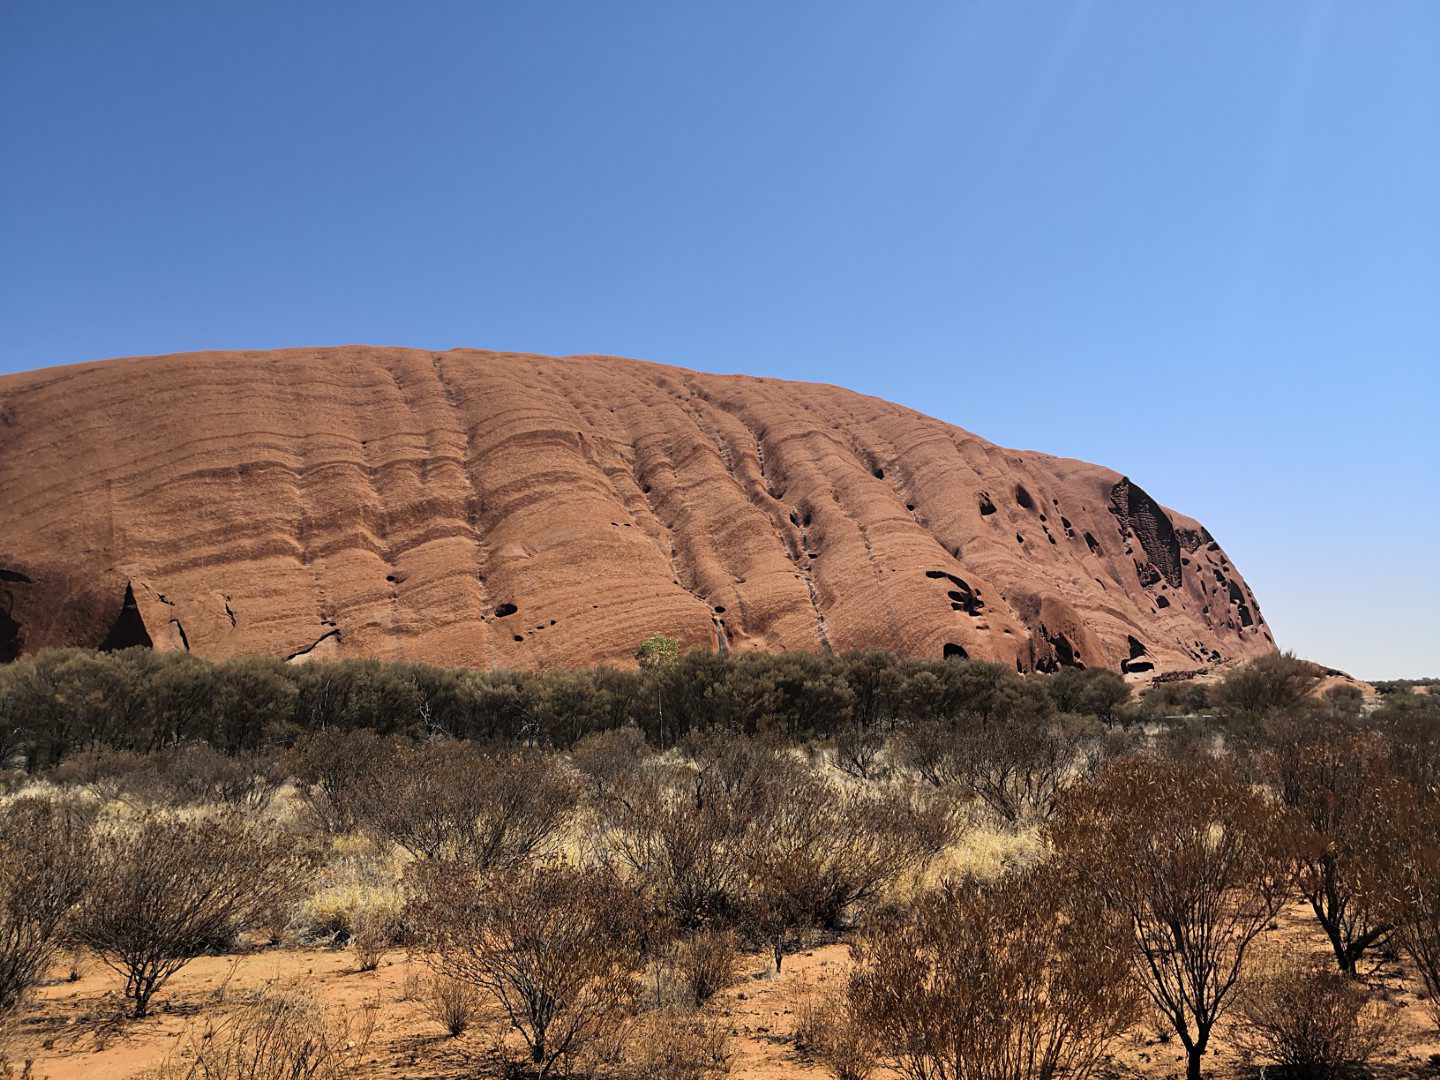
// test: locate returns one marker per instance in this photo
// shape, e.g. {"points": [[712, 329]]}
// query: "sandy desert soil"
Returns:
{"points": [[75, 1030]]}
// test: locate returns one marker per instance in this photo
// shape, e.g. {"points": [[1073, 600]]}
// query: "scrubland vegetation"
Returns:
{"points": [[1031, 876]]}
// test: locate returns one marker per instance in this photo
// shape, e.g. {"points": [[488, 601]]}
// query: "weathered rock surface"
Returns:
{"points": [[523, 511]]}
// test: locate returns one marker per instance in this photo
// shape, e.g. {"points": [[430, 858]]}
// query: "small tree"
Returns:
{"points": [[1007, 981], [1341, 790], [1271, 683], [166, 890], [1197, 864], [554, 945]]}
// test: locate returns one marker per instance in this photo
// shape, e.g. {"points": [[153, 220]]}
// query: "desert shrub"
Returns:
{"points": [[554, 945], [1195, 862], [1271, 683], [1016, 766], [706, 963], [857, 752], [454, 800], [1008, 981], [1307, 1022], [1406, 883], [603, 757], [814, 852], [1340, 788], [44, 871], [375, 930], [333, 768], [195, 774], [166, 890], [1089, 692], [274, 1037], [450, 1002], [830, 1033], [677, 834], [668, 1046]]}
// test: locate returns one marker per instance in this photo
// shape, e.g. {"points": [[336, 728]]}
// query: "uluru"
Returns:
{"points": [[523, 511]]}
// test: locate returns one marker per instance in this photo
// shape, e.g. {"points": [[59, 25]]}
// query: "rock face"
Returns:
{"points": [[523, 511]]}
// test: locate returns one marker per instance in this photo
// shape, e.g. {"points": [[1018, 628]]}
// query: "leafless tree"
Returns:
{"points": [[1197, 864], [166, 890], [554, 945]]}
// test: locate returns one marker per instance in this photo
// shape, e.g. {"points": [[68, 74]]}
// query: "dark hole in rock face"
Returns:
{"points": [[1162, 601], [129, 631], [1064, 522], [910, 507], [14, 577], [645, 488], [1137, 512], [1093, 545], [1134, 667], [986, 506], [719, 609], [505, 609], [878, 473], [1022, 497], [519, 638], [10, 640], [1137, 647], [1147, 574], [955, 652], [1019, 539]]}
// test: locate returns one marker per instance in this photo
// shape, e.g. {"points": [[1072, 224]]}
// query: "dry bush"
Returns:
{"points": [[450, 1002], [1308, 1022], [1195, 862], [195, 774], [44, 870], [556, 946], [605, 757], [166, 890], [1406, 882], [857, 752], [274, 1037], [706, 963], [1340, 788], [669, 1046], [1016, 766], [832, 1035], [812, 853], [454, 800], [375, 930], [677, 834], [1008, 981]]}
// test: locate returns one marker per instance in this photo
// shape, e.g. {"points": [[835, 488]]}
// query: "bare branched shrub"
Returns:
{"points": [[194, 774], [454, 800], [1308, 1022], [1016, 766], [373, 934], [1341, 789], [166, 890], [706, 963], [555, 946], [668, 1046], [857, 752], [275, 1037], [814, 853], [605, 757], [1405, 881], [1196, 863], [678, 835], [44, 871], [830, 1033], [450, 1002], [998, 981]]}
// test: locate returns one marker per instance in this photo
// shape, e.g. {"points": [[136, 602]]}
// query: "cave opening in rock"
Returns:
{"points": [[10, 640], [128, 631], [955, 652], [505, 609], [1023, 498]]}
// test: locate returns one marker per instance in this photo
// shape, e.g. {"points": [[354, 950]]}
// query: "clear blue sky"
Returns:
{"points": [[1197, 242]]}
